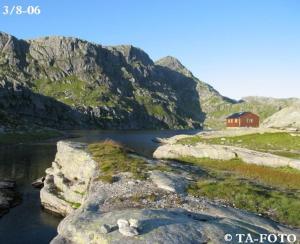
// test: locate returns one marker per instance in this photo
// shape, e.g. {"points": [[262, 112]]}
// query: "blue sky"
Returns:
{"points": [[241, 47]]}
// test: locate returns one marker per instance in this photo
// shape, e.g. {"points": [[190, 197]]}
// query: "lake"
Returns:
{"points": [[28, 223]]}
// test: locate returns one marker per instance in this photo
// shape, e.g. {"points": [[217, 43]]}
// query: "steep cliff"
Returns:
{"points": [[110, 87]]}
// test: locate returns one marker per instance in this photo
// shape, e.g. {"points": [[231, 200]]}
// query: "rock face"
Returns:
{"points": [[68, 82], [8, 196], [200, 150], [68, 179], [138, 211], [287, 118], [63, 82]]}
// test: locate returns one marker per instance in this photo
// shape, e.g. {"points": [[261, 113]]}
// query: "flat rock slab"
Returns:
{"points": [[168, 226], [169, 181], [201, 150]]}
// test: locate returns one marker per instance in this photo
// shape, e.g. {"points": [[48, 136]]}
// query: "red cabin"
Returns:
{"points": [[242, 119]]}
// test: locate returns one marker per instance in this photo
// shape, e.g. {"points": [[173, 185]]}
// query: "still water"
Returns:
{"points": [[28, 223]]}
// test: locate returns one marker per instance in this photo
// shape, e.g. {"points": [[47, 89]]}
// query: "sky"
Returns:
{"points": [[241, 47]]}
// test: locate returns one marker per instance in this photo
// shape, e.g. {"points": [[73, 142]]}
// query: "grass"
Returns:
{"points": [[285, 178], [73, 91], [280, 143], [33, 136], [153, 108], [280, 206], [113, 158], [273, 192]]}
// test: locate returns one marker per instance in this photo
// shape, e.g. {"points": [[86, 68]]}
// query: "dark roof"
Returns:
{"points": [[237, 115]]}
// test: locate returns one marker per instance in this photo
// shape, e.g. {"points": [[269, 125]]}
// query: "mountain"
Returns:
{"points": [[217, 107], [65, 82], [110, 87], [288, 117]]}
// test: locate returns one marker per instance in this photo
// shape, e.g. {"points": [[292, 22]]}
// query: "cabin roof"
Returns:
{"points": [[237, 115]]}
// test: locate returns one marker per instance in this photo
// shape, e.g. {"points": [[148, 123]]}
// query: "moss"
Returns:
{"points": [[113, 158], [139, 197], [107, 178], [80, 193]]}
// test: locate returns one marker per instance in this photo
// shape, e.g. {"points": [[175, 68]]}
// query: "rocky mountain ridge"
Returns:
{"points": [[66, 82]]}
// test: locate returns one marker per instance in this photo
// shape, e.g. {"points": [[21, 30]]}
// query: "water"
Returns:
{"points": [[28, 223]]}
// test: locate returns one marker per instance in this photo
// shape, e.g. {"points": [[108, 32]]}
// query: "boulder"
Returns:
{"points": [[68, 179], [201, 150], [169, 181], [38, 183]]}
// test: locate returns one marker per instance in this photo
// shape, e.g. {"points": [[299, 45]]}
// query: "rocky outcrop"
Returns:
{"points": [[154, 210], [201, 150], [8, 196], [287, 118], [68, 179]]}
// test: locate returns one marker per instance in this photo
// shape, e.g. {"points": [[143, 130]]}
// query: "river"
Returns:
{"points": [[28, 223]]}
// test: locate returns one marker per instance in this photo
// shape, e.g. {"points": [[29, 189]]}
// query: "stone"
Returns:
{"points": [[134, 223], [175, 224], [71, 173], [169, 181], [200, 150], [126, 229], [38, 183], [104, 229], [122, 223]]}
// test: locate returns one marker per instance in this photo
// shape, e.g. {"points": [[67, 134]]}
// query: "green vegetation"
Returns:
{"points": [[113, 158], [139, 197], [280, 143], [74, 205], [73, 91], [281, 206], [155, 109], [31, 136], [273, 192], [284, 178]]}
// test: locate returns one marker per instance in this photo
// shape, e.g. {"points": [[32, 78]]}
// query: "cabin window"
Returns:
{"points": [[236, 120]]}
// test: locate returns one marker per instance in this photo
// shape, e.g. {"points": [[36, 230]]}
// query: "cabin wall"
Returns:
{"points": [[246, 120], [249, 120], [233, 122]]}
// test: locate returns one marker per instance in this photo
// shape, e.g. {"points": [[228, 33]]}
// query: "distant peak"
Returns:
{"points": [[133, 54], [174, 64]]}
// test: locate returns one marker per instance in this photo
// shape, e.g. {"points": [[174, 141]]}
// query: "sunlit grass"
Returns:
{"points": [[273, 192], [113, 158], [286, 178], [280, 206]]}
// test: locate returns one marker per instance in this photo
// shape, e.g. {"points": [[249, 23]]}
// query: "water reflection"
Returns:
{"points": [[27, 223]]}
